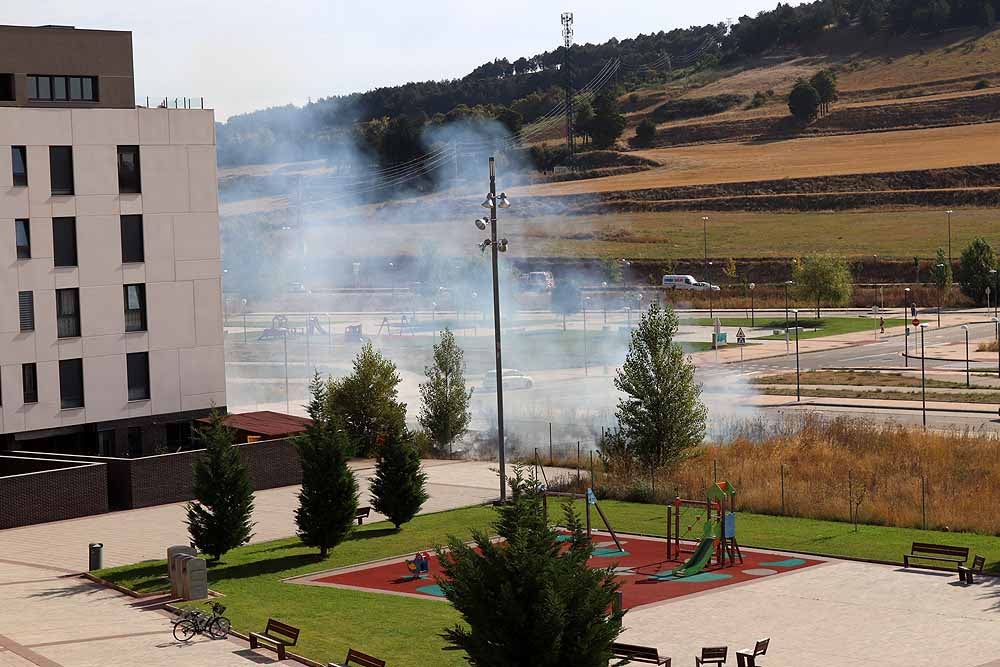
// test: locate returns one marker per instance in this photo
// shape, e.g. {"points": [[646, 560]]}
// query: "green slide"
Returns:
{"points": [[697, 562]]}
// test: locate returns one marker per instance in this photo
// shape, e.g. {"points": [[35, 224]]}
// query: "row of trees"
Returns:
{"points": [[809, 99], [357, 415]]}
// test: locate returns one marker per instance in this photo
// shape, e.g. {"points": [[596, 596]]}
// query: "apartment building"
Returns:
{"points": [[111, 332]]}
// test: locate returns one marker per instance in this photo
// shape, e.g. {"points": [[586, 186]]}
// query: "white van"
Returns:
{"points": [[680, 282]]}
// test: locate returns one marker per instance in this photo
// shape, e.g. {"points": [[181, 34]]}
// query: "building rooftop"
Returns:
{"points": [[266, 423]]}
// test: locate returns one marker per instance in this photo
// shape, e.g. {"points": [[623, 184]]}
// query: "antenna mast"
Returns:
{"points": [[567, 33]]}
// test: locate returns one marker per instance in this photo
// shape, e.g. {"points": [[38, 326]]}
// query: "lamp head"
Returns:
{"points": [[484, 245], [964, 327], [481, 223], [488, 202], [502, 245], [752, 285], [503, 202]]}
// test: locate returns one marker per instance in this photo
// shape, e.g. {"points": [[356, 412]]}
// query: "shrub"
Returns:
{"points": [[695, 107], [645, 133], [804, 102], [982, 84], [398, 487]]}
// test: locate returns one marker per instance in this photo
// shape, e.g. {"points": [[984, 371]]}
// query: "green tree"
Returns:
{"points": [[529, 600], [974, 270], [645, 133], [872, 15], [398, 487], [824, 277], [220, 516], [365, 402], [444, 409], [566, 299], [825, 83], [804, 102], [511, 120], [661, 415], [941, 275], [583, 119], [328, 500], [608, 124]]}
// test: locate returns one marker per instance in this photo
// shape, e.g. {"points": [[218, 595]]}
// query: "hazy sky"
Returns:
{"points": [[245, 55]]}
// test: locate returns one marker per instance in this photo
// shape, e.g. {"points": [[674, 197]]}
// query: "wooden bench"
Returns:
{"points": [[940, 553], [715, 655], [277, 636], [747, 658], [358, 659], [635, 653], [966, 573], [362, 514]]}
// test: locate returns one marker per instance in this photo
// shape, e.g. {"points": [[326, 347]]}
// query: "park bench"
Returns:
{"points": [[747, 658], [358, 659], [966, 573], [362, 514], [635, 653], [277, 636], [715, 655], [940, 553]]}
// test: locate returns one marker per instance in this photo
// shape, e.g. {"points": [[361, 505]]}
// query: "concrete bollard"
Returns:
{"points": [[197, 579], [173, 566]]}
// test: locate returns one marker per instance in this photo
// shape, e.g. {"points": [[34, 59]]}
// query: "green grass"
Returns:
{"points": [[857, 379], [826, 326], [983, 398], [404, 631]]}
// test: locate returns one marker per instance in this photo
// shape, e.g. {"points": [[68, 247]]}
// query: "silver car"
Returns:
{"points": [[512, 379]]}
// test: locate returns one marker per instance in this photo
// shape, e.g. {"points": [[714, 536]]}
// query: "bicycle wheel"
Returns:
{"points": [[219, 627], [184, 630]]}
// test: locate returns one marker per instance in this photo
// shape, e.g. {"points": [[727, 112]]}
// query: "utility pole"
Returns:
{"points": [[567, 33]]}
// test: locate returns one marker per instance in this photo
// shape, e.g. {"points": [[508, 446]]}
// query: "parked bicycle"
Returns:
{"points": [[196, 622]]}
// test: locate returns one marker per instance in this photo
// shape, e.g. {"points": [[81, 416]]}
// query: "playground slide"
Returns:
{"points": [[697, 562]]}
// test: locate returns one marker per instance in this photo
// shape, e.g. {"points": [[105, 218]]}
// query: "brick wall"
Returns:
{"points": [[65, 490]]}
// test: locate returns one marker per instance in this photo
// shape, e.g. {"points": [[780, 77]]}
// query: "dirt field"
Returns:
{"points": [[801, 158]]}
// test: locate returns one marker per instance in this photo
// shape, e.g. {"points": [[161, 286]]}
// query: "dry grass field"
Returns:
{"points": [[800, 158]]}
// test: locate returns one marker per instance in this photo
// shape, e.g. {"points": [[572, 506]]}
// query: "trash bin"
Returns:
{"points": [[96, 556]]}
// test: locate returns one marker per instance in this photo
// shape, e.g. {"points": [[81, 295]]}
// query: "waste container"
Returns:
{"points": [[96, 556]]}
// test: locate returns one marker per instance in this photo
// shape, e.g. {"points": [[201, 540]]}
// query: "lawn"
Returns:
{"points": [[857, 379], [984, 398], [815, 328], [405, 631]]}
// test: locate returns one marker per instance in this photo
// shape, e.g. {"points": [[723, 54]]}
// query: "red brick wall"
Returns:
{"points": [[51, 495]]}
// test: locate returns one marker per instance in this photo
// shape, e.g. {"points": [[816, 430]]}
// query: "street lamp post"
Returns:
{"points": [[604, 301], [288, 407], [496, 246], [996, 321], [244, 302], [753, 320], [906, 328], [923, 374], [788, 283], [585, 366], [949, 212], [968, 378], [798, 380], [711, 309], [940, 268], [996, 292]]}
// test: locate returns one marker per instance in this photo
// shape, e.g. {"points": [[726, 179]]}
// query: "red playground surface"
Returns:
{"points": [[642, 569]]}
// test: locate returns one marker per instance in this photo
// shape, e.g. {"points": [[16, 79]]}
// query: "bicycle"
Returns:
{"points": [[195, 622]]}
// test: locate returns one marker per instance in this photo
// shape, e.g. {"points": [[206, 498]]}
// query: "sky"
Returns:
{"points": [[247, 55]]}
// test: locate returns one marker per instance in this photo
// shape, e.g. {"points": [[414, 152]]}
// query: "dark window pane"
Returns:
{"points": [[137, 365], [132, 243], [75, 88], [88, 88], [59, 88], [19, 160], [71, 383], [7, 87], [32, 87], [44, 88], [61, 169], [64, 241], [135, 307], [134, 441], [26, 310], [29, 382], [22, 238], [128, 169], [68, 313]]}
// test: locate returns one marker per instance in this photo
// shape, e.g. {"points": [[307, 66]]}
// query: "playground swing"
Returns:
{"points": [[591, 499], [718, 539]]}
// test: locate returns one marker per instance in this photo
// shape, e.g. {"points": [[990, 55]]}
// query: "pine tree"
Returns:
{"points": [[328, 500], [398, 487], [529, 601], [220, 517], [444, 410]]}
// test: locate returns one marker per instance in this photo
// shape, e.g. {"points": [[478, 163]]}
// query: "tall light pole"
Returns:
{"points": [[996, 292], [493, 202], [585, 367], [753, 321], [284, 338], [798, 380], [949, 212], [923, 374], [604, 301], [906, 328], [244, 302], [788, 283], [940, 268], [711, 310], [996, 321], [968, 378]]}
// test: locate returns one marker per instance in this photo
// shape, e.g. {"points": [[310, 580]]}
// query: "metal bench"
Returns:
{"points": [[966, 574], [358, 659], [635, 653], [362, 514], [715, 655], [939, 553], [747, 658], [277, 636]]}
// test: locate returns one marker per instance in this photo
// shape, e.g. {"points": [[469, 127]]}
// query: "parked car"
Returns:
{"points": [[512, 379], [679, 282], [296, 288], [704, 287], [538, 281]]}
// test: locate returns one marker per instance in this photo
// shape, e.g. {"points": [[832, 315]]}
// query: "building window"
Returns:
{"points": [[7, 88], [61, 169], [132, 245], [71, 383], [64, 241], [68, 313], [22, 238], [48, 88], [26, 310], [19, 162], [128, 169], [134, 441], [137, 364], [106, 442], [135, 307], [29, 382]]}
